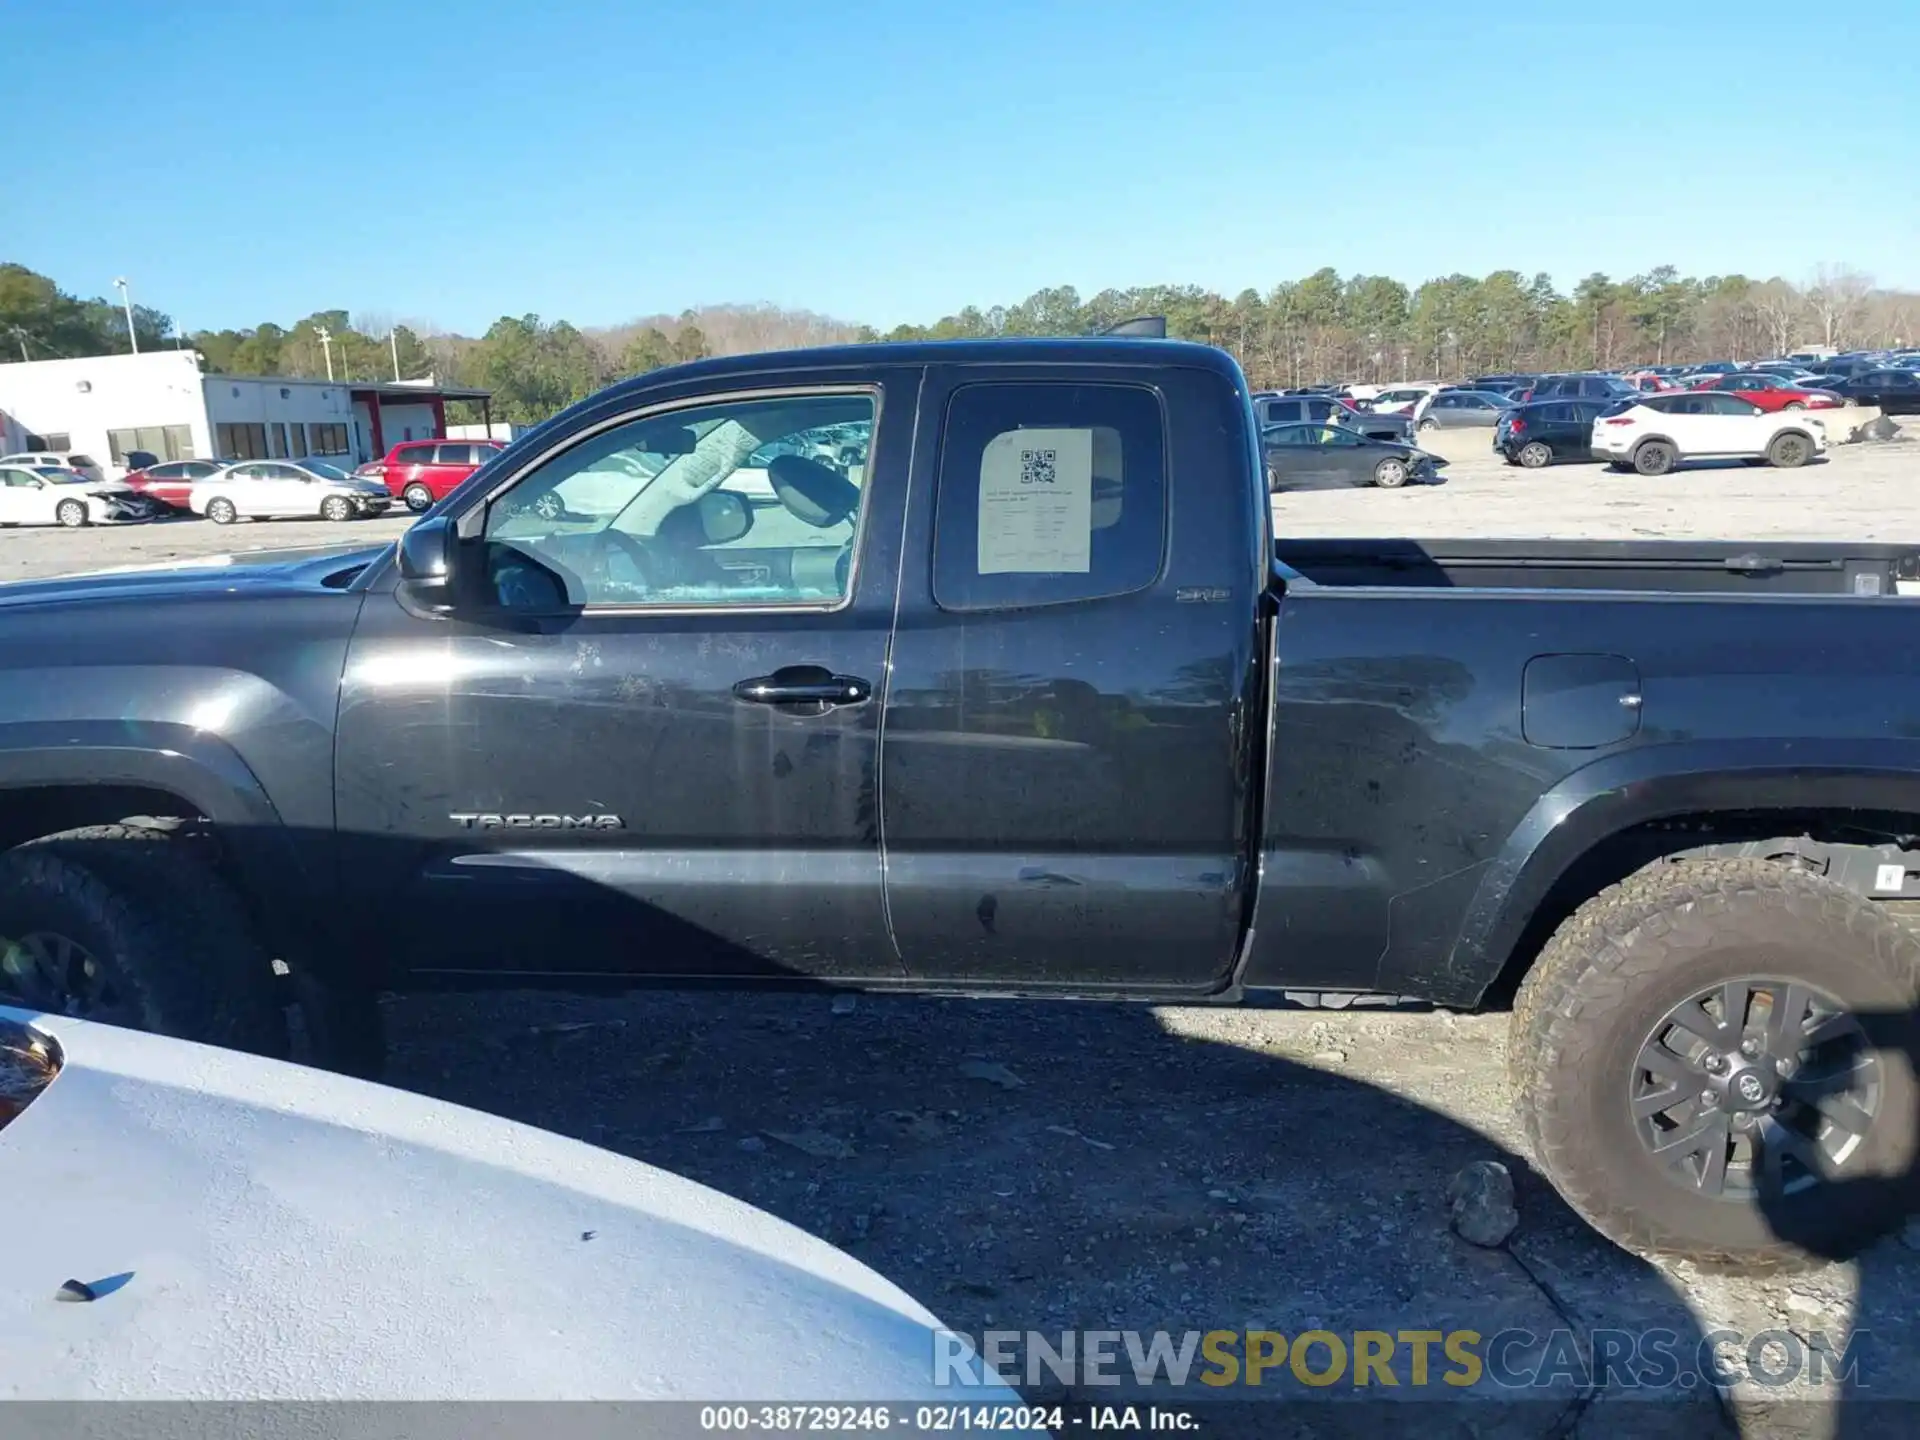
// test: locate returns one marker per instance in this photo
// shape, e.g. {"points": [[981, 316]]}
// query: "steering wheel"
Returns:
{"points": [[650, 573]]}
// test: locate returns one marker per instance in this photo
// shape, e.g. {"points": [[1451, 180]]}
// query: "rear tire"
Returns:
{"points": [[1536, 455], [71, 513], [418, 498], [221, 512], [1669, 953], [1390, 474], [1789, 451], [125, 924], [1654, 457]]}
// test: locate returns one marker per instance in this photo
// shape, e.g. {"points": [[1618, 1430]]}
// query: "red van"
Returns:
{"points": [[419, 472]]}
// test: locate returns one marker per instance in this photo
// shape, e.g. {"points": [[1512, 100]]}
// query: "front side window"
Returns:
{"points": [[738, 502], [1048, 493]]}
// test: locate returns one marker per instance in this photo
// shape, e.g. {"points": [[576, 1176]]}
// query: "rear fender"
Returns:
{"points": [[1657, 782]]}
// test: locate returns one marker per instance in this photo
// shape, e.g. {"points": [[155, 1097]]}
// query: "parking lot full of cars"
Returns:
{"points": [[1652, 419]]}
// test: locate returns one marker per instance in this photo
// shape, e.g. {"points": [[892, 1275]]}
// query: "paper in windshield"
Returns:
{"points": [[1036, 503]]}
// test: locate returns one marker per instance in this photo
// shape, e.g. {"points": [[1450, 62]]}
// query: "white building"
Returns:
{"points": [[108, 406]]}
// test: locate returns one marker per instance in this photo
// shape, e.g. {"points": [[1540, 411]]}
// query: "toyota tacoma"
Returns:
{"points": [[976, 667]]}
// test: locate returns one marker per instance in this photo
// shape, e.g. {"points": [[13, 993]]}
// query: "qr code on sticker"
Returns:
{"points": [[1037, 467]]}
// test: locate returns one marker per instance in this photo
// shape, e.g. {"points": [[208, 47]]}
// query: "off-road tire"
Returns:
{"points": [[170, 934], [1615, 967]]}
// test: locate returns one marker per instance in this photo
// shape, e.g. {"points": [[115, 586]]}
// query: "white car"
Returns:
{"points": [[49, 495], [1401, 399], [270, 489], [59, 460], [223, 1227], [1657, 432]]}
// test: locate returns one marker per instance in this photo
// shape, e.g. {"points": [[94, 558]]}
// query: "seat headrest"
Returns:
{"points": [[811, 492]]}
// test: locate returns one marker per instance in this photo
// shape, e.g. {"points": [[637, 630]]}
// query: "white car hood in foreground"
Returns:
{"points": [[291, 1234]]}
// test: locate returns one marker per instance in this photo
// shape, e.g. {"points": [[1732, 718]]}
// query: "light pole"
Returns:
{"points": [[325, 337], [126, 303]]}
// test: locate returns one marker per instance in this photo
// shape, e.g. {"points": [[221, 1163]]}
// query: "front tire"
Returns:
{"points": [[72, 514], [1536, 455], [336, 508], [1714, 1061], [222, 512], [1390, 474], [1793, 405], [1790, 451], [123, 924]]}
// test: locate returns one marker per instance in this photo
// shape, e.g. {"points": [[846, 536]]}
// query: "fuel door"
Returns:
{"points": [[1580, 702]]}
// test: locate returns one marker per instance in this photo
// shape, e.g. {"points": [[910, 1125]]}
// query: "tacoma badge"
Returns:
{"points": [[475, 821]]}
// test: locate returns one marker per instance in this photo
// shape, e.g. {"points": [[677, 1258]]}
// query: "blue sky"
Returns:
{"points": [[597, 160]]}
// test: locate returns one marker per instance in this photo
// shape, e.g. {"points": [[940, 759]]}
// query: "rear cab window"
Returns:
{"points": [[1049, 492]]}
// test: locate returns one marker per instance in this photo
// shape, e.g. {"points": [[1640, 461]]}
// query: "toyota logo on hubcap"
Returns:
{"points": [[1750, 1087]]}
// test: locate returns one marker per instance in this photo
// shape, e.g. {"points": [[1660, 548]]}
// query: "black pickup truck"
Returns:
{"points": [[975, 667]]}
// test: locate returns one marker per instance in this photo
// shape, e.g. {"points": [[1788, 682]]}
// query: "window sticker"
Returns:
{"points": [[1036, 502]]}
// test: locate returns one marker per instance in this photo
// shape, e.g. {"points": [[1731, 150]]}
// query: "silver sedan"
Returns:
{"points": [[1456, 409]]}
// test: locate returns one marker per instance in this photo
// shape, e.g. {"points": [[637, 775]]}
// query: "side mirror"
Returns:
{"points": [[426, 553], [724, 516]]}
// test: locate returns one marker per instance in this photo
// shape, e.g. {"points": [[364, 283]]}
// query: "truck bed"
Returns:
{"points": [[1741, 567]]}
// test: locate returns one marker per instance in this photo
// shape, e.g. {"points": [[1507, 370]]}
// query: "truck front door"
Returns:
{"points": [[652, 747], [1069, 714]]}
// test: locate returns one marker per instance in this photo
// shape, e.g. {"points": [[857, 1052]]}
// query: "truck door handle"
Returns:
{"points": [[804, 685]]}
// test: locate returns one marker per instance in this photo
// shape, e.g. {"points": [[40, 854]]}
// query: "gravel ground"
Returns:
{"points": [[1036, 1166]]}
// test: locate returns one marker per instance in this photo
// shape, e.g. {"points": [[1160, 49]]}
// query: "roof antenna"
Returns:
{"points": [[1143, 327]]}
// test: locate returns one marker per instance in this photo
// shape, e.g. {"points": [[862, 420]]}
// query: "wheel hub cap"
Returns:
{"points": [[52, 972], [1755, 1087]]}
